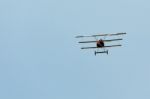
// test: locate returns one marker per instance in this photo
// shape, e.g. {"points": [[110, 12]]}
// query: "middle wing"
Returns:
{"points": [[100, 47], [103, 40]]}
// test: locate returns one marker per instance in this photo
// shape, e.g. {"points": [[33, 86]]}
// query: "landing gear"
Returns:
{"points": [[97, 52]]}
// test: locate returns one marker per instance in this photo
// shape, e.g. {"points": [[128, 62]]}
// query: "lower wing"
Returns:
{"points": [[101, 47]]}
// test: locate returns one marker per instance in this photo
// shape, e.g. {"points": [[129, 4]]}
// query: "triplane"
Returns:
{"points": [[101, 43]]}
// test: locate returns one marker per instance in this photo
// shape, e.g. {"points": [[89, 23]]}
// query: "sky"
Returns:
{"points": [[41, 59]]}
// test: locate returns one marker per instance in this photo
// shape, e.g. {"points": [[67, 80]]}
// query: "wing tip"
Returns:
{"points": [[78, 36]]}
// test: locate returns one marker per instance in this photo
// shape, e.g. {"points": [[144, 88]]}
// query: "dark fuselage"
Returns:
{"points": [[100, 43]]}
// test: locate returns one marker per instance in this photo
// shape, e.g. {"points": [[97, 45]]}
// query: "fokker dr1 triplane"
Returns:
{"points": [[101, 43]]}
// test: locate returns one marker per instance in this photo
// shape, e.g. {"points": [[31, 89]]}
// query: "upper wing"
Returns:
{"points": [[109, 34], [103, 40], [100, 47], [114, 34]]}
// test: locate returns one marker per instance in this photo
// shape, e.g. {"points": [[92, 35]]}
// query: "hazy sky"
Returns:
{"points": [[41, 59]]}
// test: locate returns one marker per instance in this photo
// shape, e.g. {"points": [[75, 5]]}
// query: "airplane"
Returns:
{"points": [[101, 43]]}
